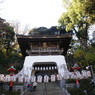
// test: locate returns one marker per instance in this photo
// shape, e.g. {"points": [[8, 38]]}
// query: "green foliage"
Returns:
{"points": [[79, 16], [6, 37], [84, 85], [44, 31], [85, 57], [54, 30], [9, 54], [74, 91], [70, 81], [14, 59]]}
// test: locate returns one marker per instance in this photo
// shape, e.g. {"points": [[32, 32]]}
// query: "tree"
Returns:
{"points": [[6, 37], [85, 57], [38, 31], [54, 30], [78, 18]]}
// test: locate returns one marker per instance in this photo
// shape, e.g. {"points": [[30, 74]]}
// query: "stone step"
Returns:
{"points": [[50, 88]]}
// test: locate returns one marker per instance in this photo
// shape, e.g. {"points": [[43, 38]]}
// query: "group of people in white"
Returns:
{"points": [[46, 78]]}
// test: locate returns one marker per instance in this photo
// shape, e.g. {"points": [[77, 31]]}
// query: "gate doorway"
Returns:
{"points": [[44, 68]]}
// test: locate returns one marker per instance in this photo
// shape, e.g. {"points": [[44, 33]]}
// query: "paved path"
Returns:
{"points": [[50, 88]]}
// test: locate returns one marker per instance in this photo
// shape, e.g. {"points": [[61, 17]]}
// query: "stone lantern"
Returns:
{"points": [[11, 70], [75, 68]]}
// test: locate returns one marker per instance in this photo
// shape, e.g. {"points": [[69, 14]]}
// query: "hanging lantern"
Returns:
{"points": [[72, 75], [20, 79], [78, 74], [81, 76], [84, 74], [39, 78], [35, 68], [1, 77], [41, 68], [55, 67], [14, 79], [66, 76], [59, 77], [11, 78], [46, 68], [46, 78], [38, 68], [4, 79], [7, 78], [49, 68], [52, 78], [88, 73], [33, 78], [52, 68]]}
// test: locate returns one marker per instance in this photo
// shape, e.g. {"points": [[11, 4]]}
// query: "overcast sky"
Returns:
{"points": [[35, 13]]}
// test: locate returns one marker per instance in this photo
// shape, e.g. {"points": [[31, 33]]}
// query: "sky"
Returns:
{"points": [[35, 13]]}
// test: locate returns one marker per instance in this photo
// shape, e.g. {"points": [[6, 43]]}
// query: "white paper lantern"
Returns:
{"points": [[4, 80], [46, 68], [43, 68], [49, 68], [46, 78], [66, 76], [1, 77], [28, 80], [14, 79], [78, 74], [81, 76], [7, 78], [72, 75], [88, 73], [39, 78], [11, 78], [75, 77], [55, 67], [38, 68], [52, 78], [35, 68], [84, 74], [20, 79], [59, 77], [52, 67], [33, 78]]}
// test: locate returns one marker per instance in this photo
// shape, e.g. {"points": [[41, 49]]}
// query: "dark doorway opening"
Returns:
{"points": [[45, 65]]}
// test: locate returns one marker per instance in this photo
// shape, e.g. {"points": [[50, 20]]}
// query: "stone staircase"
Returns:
{"points": [[50, 88]]}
